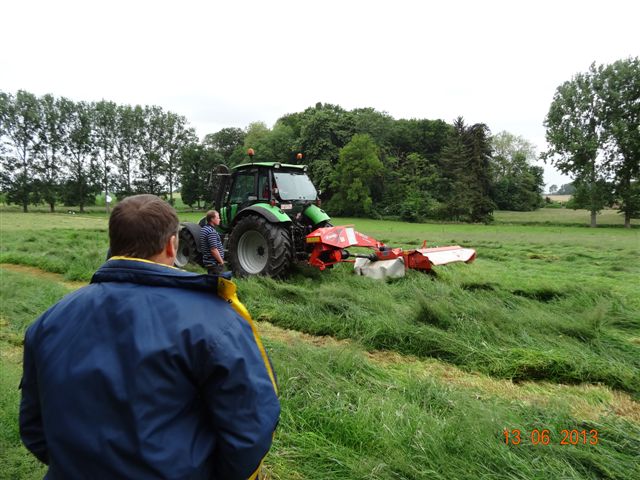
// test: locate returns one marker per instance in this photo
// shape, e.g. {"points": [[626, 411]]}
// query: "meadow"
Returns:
{"points": [[413, 378]]}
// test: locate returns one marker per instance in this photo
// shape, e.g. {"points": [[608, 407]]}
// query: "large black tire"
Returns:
{"points": [[257, 247], [187, 250]]}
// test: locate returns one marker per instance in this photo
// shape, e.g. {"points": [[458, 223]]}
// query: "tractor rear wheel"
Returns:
{"points": [[187, 250], [257, 247]]}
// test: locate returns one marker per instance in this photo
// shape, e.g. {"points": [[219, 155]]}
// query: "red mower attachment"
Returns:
{"points": [[330, 243]]}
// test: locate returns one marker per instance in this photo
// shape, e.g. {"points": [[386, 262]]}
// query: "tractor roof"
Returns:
{"points": [[242, 166]]}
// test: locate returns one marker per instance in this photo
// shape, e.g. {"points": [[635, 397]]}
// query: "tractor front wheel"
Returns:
{"points": [[257, 247]]}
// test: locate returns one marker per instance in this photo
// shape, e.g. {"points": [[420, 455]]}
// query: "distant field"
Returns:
{"points": [[562, 216], [98, 208], [413, 378], [557, 216], [17, 221], [558, 198]]}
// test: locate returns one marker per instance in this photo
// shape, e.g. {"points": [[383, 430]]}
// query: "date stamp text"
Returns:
{"points": [[545, 436]]}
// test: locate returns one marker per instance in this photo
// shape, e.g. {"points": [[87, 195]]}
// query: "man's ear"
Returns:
{"points": [[171, 249], [167, 255]]}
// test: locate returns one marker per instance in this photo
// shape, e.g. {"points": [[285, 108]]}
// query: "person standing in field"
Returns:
{"points": [[211, 245], [149, 372]]}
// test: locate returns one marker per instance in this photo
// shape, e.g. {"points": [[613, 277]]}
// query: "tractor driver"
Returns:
{"points": [[211, 245]]}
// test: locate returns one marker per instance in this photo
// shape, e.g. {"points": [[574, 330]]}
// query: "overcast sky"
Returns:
{"points": [[227, 64]]}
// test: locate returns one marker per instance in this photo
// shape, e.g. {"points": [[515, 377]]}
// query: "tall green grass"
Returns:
{"points": [[22, 299], [345, 416], [505, 329], [74, 253]]}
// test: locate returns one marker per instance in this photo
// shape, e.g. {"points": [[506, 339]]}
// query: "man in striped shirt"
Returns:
{"points": [[211, 245]]}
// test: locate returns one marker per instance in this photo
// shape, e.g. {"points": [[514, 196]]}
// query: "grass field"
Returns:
{"points": [[416, 377]]}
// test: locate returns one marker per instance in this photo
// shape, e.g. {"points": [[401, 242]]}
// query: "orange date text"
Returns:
{"points": [[545, 436]]}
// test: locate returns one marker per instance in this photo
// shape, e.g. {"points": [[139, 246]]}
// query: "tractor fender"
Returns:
{"points": [[270, 213], [316, 215], [194, 230]]}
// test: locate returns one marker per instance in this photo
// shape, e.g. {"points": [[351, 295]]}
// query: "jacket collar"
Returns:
{"points": [[145, 272]]}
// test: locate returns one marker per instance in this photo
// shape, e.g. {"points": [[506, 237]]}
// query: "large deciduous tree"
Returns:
{"points": [[5, 160], [129, 128], [152, 165], [324, 130], [619, 87], [54, 116], [256, 139], [416, 185], [228, 142], [379, 125], [358, 166], [104, 138], [422, 136], [281, 142], [593, 132], [175, 137], [196, 174], [83, 180], [21, 122], [517, 185]]}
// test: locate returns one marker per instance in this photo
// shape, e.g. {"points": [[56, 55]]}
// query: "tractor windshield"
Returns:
{"points": [[295, 186]]}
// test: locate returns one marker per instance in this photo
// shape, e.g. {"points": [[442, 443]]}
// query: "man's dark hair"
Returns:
{"points": [[140, 226], [211, 214]]}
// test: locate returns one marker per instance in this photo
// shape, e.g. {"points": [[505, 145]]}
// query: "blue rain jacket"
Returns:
{"points": [[147, 373]]}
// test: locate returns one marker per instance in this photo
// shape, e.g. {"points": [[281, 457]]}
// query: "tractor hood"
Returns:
{"points": [[316, 215]]}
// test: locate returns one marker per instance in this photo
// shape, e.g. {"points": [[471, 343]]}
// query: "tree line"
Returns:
{"points": [[364, 162], [564, 189], [57, 150]]}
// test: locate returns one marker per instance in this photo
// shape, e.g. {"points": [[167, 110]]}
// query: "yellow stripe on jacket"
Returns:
{"points": [[227, 291]]}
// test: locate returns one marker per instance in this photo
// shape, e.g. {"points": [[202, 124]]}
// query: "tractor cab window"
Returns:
{"points": [[295, 186], [264, 192], [243, 188]]}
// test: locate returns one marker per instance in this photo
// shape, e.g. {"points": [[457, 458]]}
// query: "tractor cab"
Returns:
{"points": [[277, 188]]}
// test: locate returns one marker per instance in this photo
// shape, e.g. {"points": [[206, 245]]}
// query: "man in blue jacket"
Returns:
{"points": [[149, 372]]}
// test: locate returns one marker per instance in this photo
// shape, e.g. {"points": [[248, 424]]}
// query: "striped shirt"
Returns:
{"points": [[210, 238]]}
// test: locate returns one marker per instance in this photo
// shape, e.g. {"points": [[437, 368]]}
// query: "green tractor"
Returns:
{"points": [[266, 211]]}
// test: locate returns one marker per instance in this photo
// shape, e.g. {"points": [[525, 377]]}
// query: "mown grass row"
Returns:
{"points": [[345, 416], [507, 334]]}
